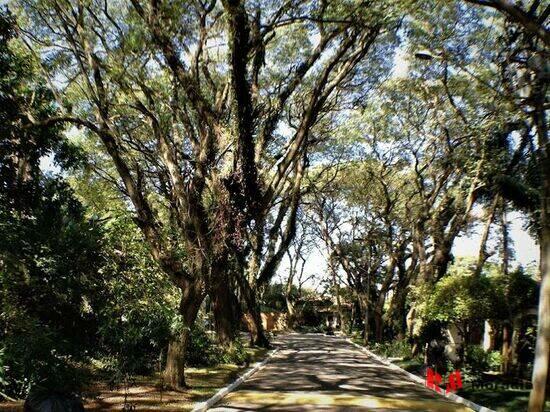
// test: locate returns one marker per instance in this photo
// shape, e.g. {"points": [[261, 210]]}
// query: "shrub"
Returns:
{"points": [[204, 351], [310, 329], [494, 360], [394, 349], [35, 355], [236, 354], [476, 361], [201, 350]]}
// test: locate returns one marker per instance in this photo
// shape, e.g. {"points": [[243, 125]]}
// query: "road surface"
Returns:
{"points": [[313, 372]]}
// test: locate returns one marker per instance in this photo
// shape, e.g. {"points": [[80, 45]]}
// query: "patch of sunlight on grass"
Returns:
{"points": [[499, 399], [410, 365], [341, 401], [146, 394]]}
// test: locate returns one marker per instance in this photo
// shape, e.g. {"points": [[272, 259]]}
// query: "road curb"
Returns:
{"points": [[218, 396], [452, 396]]}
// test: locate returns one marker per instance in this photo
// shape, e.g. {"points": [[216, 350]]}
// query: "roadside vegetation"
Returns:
{"points": [[170, 172]]}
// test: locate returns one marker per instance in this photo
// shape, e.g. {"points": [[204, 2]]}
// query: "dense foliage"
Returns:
{"points": [[162, 161], [72, 286]]}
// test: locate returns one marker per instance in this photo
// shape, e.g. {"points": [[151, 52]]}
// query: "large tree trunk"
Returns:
{"points": [[365, 307], [398, 303], [516, 331], [510, 340], [256, 329], [506, 348], [542, 350], [225, 304], [174, 375], [257, 332], [226, 309], [191, 299], [336, 285], [291, 312], [489, 335], [352, 318], [255, 324], [378, 325], [398, 312]]}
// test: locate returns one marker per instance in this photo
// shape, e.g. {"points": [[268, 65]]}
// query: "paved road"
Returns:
{"points": [[325, 373]]}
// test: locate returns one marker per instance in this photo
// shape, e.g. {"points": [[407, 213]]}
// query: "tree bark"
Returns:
{"points": [[542, 349], [516, 330], [290, 310], [378, 325], [336, 284], [482, 254], [506, 345], [256, 326], [191, 299], [505, 241], [398, 311], [174, 373], [542, 356], [292, 272], [225, 307], [365, 306], [352, 318]]}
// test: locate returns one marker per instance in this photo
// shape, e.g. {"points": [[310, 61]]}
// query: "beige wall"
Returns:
{"points": [[271, 321]]}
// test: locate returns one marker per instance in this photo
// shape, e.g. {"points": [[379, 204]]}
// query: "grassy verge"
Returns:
{"points": [[146, 393], [500, 400], [496, 397], [413, 365]]}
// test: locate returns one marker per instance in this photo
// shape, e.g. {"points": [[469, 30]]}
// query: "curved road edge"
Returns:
{"points": [[419, 380], [218, 396]]}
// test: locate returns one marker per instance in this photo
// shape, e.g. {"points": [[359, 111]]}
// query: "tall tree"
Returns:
{"points": [[207, 112], [49, 251], [525, 73]]}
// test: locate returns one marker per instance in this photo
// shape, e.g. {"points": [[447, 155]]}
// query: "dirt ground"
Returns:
{"points": [[146, 393]]}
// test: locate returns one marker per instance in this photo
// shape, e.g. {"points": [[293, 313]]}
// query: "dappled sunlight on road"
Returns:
{"points": [[261, 400], [317, 372]]}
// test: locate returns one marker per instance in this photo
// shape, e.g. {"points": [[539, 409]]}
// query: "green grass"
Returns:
{"points": [[412, 365], [499, 399], [146, 393]]}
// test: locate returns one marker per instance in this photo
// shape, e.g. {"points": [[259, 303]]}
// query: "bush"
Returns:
{"points": [[135, 304], [204, 351], [201, 350], [394, 349], [476, 361], [45, 400], [310, 329], [494, 360], [476, 358], [236, 354], [133, 339], [35, 355]]}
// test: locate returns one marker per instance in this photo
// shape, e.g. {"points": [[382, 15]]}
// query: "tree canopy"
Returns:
{"points": [[162, 161]]}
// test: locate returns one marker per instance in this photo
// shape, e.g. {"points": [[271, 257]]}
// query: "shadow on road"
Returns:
{"points": [[317, 372]]}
